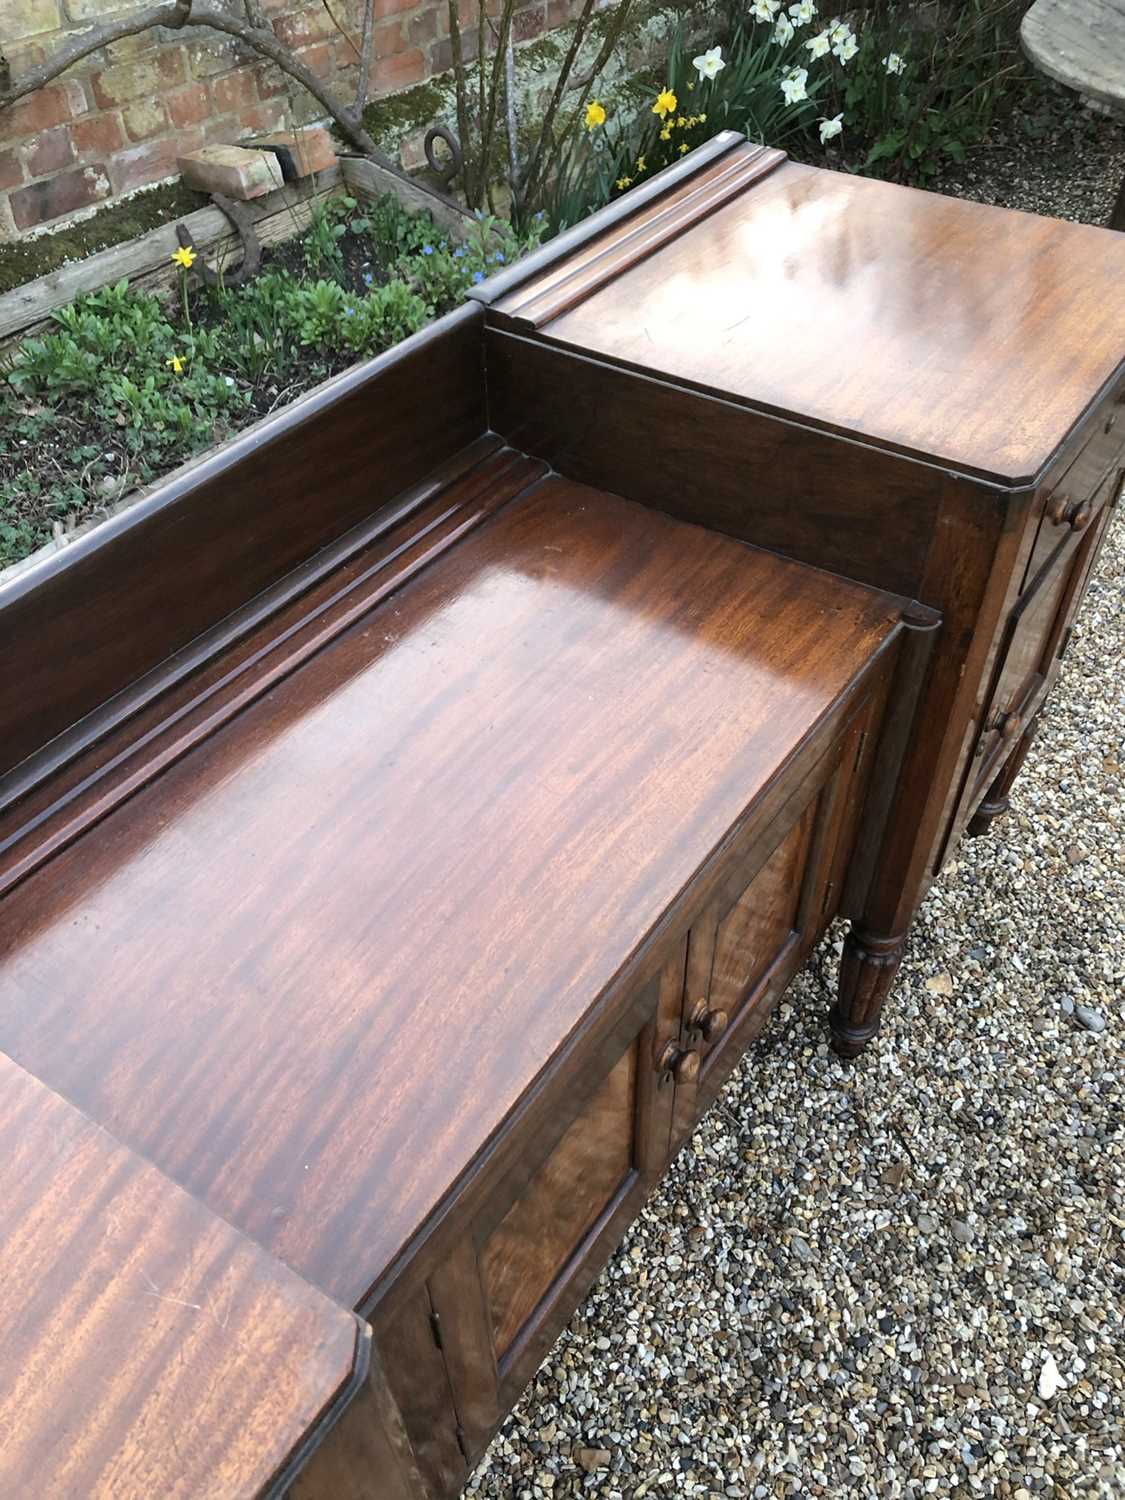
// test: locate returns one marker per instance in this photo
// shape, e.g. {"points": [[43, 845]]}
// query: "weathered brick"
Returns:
{"points": [[309, 24], [231, 170], [272, 82], [39, 111], [261, 119], [389, 39], [399, 72], [212, 56], [97, 136], [153, 161], [94, 10], [442, 52], [11, 170], [190, 105], [234, 90], [146, 78], [529, 22], [144, 118], [319, 59], [300, 152], [23, 18], [63, 194], [423, 28], [129, 48], [49, 152]]}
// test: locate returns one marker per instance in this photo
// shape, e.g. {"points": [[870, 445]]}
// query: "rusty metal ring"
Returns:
{"points": [[448, 170], [240, 217]]}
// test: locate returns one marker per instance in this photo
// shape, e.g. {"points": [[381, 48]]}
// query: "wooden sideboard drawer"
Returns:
{"points": [[1073, 503], [1038, 629]]}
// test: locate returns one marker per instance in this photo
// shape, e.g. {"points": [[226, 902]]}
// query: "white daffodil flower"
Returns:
{"points": [[830, 128], [793, 85], [846, 48], [765, 10], [838, 30], [819, 45], [783, 31], [709, 64], [802, 13], [894, 63]]}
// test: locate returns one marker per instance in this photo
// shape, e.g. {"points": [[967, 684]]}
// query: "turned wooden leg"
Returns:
{"points": [[997, 799], [867, 972], [1117, 217]]}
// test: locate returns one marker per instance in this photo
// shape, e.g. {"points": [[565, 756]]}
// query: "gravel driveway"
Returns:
{"points": [[854, 1275]]}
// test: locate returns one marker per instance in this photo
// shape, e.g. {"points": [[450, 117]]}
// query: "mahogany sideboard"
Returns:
{"points": [[405, 825], [919, 392]]}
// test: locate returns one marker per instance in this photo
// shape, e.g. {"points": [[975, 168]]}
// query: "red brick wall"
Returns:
{"points": [[118, 119]]}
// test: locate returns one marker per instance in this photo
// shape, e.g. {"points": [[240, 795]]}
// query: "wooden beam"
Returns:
{"points": [[147, 260]]}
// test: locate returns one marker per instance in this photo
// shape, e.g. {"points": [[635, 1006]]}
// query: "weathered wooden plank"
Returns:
{"points": [[146, 261], [366, 179]]}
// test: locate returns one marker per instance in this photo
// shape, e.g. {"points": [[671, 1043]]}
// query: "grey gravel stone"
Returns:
{"points": [[897, 1361], [1087, 1016]]}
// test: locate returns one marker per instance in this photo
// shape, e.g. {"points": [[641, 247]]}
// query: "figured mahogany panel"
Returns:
{"points": [[544, 1227], [969, 335], [119, 600], [763, 919], [523, 758], [148, 1348]]}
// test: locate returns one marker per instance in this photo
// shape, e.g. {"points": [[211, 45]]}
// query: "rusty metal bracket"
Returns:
{"points": [[445, 170], [240, 217]]}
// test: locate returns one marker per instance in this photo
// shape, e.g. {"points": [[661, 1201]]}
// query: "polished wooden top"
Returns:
{"points": [[311, 969], [148, 1348], [971, 335]]}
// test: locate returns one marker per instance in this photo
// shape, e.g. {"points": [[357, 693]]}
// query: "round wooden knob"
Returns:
{"points": [[709, 1023], [686, 1067], [1057, 508], [675, 1063], [1081, 517]]}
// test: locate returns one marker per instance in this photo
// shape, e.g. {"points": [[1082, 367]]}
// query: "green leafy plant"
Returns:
{"points": [[919, 94], [122, 387]]}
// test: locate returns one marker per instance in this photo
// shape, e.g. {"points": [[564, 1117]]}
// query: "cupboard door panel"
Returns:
{"points": [[507, 1290], [762, 922], [578, 1181]]}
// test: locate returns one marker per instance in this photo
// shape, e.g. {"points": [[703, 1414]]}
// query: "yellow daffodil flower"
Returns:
{"points": [[595, 115], [640, 164], [184, 257], [682, 123], [176, 363], [665, 103], [684, 147], [702, 119], [666, 133], [623, 183]]}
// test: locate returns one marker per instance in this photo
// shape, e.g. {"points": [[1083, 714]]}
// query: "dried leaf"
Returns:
{"points": [[940, 984]]}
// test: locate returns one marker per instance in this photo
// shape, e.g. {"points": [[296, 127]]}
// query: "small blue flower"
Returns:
{"points": [[459, 252], [349, 312], [367, 278], [427, 249], [499, 257], [478, 277], [539, 217]]}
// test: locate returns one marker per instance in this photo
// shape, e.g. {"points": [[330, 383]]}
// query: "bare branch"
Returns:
{"points": [[82, 46], [366, 49]]}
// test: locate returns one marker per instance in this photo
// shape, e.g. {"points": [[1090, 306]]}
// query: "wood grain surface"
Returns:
{"points": [[973, 336], [148, 1348], [121, 599], [312, 968]]}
